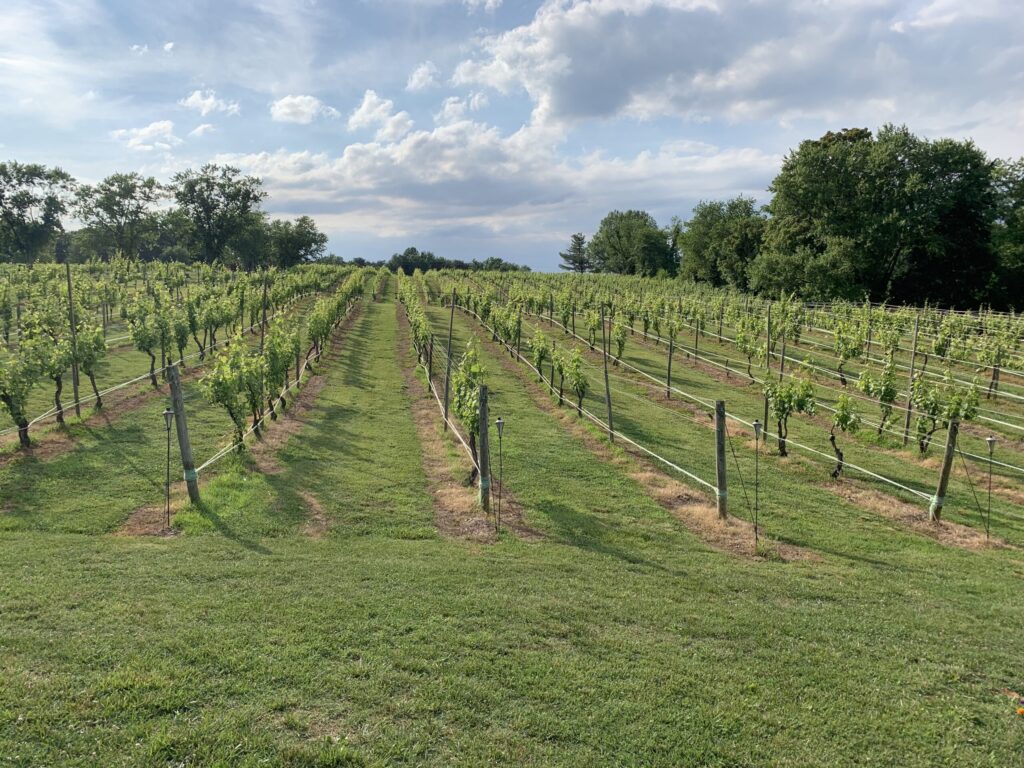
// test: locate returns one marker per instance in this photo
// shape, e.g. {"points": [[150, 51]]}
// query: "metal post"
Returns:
{"points": [[168, 419], [757, 476], [500, 424], [668, 377], [991, 447], [935, 508], [767, 356], [74, 340], [484, 451], [720, 458], [187, 463], [448, 367], [430, 359], [910, 388], [607, 387]]}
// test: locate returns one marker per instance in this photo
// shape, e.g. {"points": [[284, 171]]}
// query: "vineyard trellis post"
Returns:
{"points": [[782, 357], [935, 508], [430, 359], [263, 321], [448, 367], [484, 454], [910, 386], [607, 387], [668, 376], [184, 444], [767, 356], [74, 340], [720, 459]]}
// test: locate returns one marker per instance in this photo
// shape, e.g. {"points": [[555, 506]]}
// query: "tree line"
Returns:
{"points": [[411, 259], [211, 215], [887, 216]]}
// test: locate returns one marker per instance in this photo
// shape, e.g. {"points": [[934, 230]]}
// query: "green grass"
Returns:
{"points": [[618, 640]]}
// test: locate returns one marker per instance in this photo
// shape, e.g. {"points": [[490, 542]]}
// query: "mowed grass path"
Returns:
{"points": [[618, 640]]}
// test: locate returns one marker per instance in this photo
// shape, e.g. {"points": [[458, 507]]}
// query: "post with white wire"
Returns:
{"points": [[187, 462], [935, 508], [723, 512], [500, 424], [448, 367], [757, 477], [607, 386], [168, 421], [484, 454], [991, 441]]}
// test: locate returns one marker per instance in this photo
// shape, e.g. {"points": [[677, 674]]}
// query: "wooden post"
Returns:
{"points": [[720, 458], [574, 317], [519, 332], [484, 451], [74, 340], [430, 359], [935, 508], [187, 463], [910, 387], [607, 387], [448, 367], [263, 322], [668, 377], [782, 357]]}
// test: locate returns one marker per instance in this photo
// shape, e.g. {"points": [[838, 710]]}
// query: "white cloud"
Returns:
{"points": [[206, 101], [300, 109], [374, 111], [423, 77], [487, 5], [201, 130], [157, 135], [803, 59], [168, 47], [139, 49]]}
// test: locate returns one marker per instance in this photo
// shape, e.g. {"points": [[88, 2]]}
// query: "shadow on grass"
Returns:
{"points": [[586, 532], [227, 532]]}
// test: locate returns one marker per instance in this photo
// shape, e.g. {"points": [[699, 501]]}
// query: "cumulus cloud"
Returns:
{"points": [[206, 102], [157, 135], [423, 77], [139, 49], [375, 112], [699, 59], [300, 109], [168, 47], [201, 130]]}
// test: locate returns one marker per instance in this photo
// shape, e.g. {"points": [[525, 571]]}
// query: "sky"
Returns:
{"points": [[477, 128]]}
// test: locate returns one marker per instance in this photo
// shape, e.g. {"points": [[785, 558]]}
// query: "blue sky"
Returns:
{"points": [[480, 128]]}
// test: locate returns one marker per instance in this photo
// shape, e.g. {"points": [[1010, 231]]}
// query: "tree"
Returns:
{"points": [[890, 216], [576, 258], [720, 241], [217, 199], [119, 211], [33, 198], [296, 243], [631, 243], [1007, 285]]}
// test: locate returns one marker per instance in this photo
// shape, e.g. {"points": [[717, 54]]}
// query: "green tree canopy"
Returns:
{"points": [[631, 242], [119, 211], [33, 198], [576, 259], [720, 240], [218, 201]]}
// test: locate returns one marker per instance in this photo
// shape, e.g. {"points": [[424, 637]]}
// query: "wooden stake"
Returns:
{"points": [[668, 377], [448, 367], [720, 458], [184, 444], [484, 451], [767, 358], [910, 387], [935, 508], [74, 340], [607, 387]]}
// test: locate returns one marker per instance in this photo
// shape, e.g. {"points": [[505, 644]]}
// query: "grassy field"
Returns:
{"points": [[618, 638]]}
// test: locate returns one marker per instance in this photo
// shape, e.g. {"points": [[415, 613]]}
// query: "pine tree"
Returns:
{"points": [[576, 258]]}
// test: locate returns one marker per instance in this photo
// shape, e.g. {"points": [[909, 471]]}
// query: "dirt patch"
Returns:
{"points": [[317, 523], [915, 518], [457, 513], [700, 517], [150, 520], [291, 419]]}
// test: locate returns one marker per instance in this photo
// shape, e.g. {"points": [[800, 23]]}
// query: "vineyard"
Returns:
{"points": [[272, 518]]}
